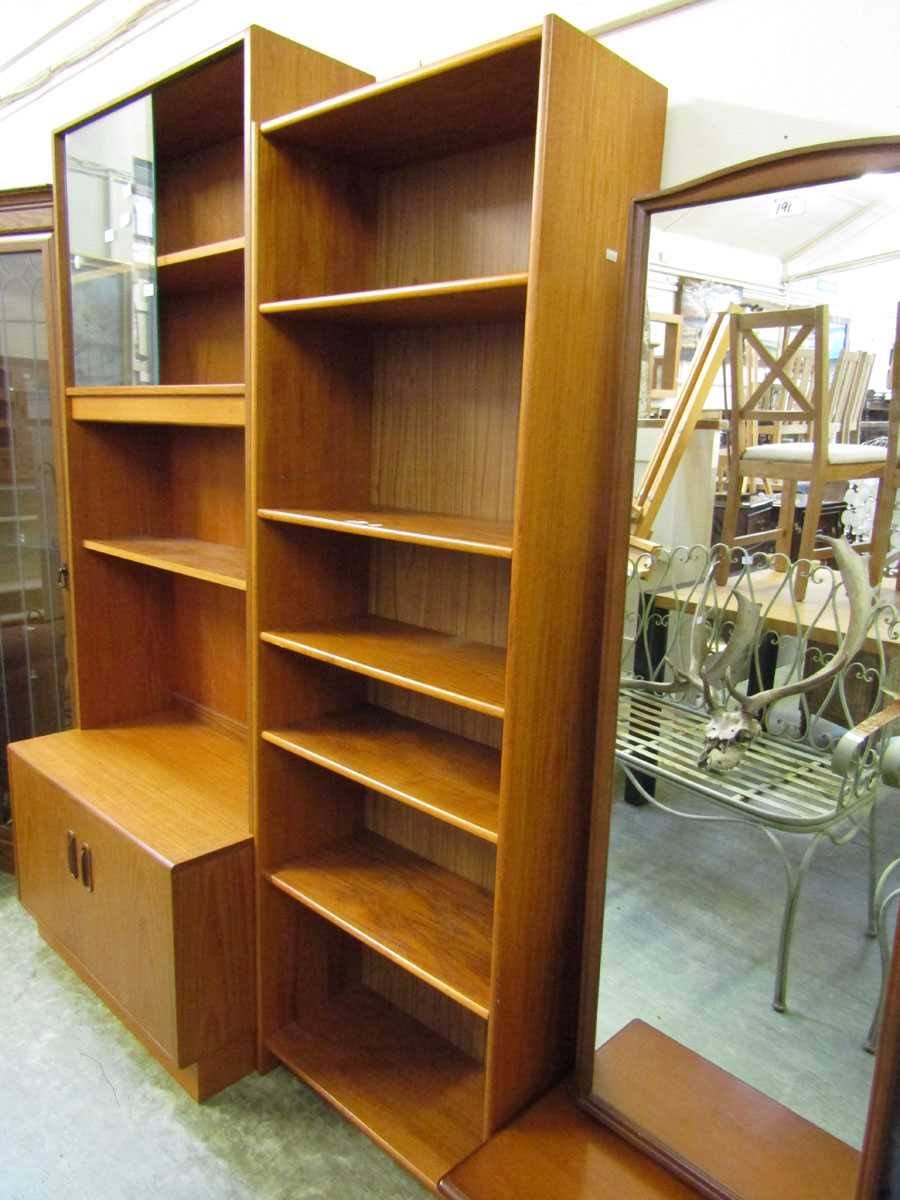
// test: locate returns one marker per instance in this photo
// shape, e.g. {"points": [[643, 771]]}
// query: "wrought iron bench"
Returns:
{"points": [[766, 708]]}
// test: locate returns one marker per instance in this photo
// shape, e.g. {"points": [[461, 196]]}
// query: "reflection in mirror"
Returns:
{"points": [[752, 818], [112, 249]]}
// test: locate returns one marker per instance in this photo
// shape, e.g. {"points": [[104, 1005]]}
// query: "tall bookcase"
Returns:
{"points": [[438, 265], [133, 830]]}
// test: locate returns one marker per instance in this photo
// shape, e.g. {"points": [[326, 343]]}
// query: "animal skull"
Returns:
{"points": [[728, 734]]}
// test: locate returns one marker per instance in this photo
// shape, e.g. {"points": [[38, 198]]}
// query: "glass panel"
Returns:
{"points": [[33, 678], [112, 248]]}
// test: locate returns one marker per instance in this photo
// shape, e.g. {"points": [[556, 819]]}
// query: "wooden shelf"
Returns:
{"points": [[215, 405], [469, 674], [225, 565], [487, 95], [493, 538], [488, 298], [429, 921], [176, 785], [219, 264], [404, 1086], [449, 777]]}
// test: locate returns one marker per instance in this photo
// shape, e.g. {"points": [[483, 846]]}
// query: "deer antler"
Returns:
{"points": [[863, 600]]}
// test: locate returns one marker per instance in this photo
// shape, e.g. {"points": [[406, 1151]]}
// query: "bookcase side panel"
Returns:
{"points": [[600, 130]]}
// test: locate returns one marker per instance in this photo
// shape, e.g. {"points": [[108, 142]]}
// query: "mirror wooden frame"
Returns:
{"points": [[789, 171]]}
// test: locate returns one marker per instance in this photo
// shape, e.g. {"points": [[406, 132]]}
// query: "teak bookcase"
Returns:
{"points": [[436, 274], [133, 830]]}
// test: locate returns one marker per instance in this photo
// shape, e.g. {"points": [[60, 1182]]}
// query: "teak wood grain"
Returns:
{"points": [[419, 915], [200, 268], [200, 197], [726, 1131], [554, 1151], [179, 964], [448, 777], [185, 119], [178, 787], [519, 157], [589, 163], [446, 1020], [200, 341], [490, 298], [493, 538], [215, 563], [409, 1090], [212, 405], [456, 217], [26, 210], [467, 673], [168, 462], [445, 845], [482, 96]]}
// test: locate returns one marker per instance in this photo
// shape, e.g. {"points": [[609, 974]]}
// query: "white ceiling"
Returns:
{"points": [[829, 224]]}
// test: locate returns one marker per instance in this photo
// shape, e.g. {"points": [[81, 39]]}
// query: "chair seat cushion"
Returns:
{"points": [[802, 452]]}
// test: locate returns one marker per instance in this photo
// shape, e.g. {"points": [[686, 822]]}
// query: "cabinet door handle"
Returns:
{"points": [[87, 869], [72, 853]]}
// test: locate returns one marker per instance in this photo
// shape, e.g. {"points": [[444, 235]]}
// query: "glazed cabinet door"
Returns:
{"points": [[115, 918]]}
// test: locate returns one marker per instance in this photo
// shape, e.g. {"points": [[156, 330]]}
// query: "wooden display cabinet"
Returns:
{"points": [[438, 267], [154, 781]]}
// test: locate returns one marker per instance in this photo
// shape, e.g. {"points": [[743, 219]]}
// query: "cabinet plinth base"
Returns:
{"points": [[201, 1079]]}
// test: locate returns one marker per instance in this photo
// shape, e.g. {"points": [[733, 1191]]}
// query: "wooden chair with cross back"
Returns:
{"points": [[817, 459]]}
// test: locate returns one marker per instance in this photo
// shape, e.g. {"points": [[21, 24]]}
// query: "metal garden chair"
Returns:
{"points": [[769, 709]]}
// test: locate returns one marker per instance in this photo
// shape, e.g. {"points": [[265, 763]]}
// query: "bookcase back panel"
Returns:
{"points": [[437, 1012], [478, 727], [465, 595], [121, 485], [208, 647], [202, 341], [320, 575], [457, 217], [200, 197], [313, 438], [123, 640], [440, 843], [207, 485], [302, 807], [332, 249], [200, 106], [445, 405]]}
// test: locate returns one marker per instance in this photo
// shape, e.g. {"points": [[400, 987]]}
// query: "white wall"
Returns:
{"points": [[746, 76]]}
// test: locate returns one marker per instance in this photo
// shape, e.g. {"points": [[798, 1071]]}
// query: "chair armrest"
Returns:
{"points": [[855, 741]]}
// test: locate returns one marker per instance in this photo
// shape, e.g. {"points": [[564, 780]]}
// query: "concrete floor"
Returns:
{"points": [[691, 927], [87, 1114]]}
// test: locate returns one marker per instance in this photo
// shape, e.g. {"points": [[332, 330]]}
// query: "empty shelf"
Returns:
{"points": [[449, 777], [434, 924], [491, 298], [211, 561], [218, 264], [217, 405], [431, 112], [414, 1093], [470, 674], [493, 538]]}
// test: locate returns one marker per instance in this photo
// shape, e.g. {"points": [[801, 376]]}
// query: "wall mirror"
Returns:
{"points": [[729, 985]]}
